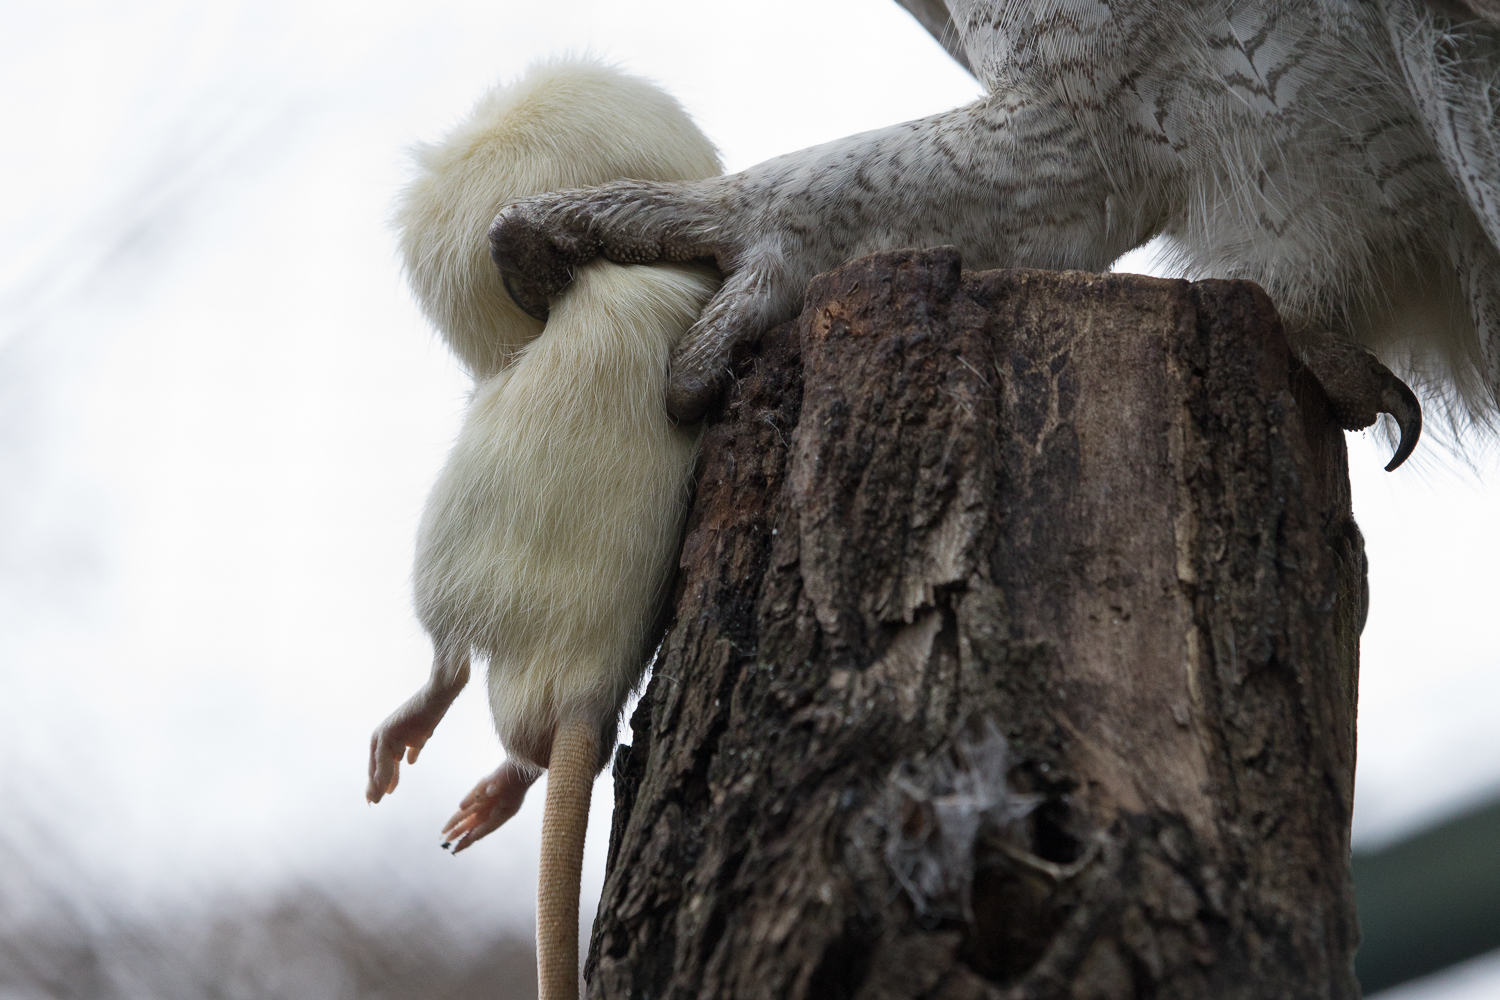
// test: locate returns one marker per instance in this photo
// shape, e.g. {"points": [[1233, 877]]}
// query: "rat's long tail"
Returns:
{"points": [[570, 781]]}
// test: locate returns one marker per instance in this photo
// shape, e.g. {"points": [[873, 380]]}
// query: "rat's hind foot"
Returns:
{"points": [[491, 802], [1360, 388]]}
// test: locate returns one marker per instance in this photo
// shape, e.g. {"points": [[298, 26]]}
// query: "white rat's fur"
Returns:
{"points": [[552, 532], [549, 540], [550, 535], [569, 123]]}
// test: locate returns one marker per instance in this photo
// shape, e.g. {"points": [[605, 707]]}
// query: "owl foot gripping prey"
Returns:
{"points": [[1341, 153], [549, 540]]}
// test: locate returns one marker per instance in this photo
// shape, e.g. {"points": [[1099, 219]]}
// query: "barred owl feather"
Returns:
{"points": [[1341, 153]]}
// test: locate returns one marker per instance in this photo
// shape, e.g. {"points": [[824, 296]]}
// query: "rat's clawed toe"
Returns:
{"points": [[488, 805], [406, 731], [384, 768]]}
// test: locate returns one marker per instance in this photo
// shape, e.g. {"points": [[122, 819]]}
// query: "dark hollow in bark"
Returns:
{"points": [[1015, 656]]}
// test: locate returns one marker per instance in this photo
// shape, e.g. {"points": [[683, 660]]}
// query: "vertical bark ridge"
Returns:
{"points": [[1015, 657]]}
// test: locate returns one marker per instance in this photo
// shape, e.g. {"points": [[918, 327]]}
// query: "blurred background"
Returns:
{"points": [[220, 413]]}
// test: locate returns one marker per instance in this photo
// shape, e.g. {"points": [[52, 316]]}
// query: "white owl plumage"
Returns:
{"points": [[1341, 153], [1310, 119]]}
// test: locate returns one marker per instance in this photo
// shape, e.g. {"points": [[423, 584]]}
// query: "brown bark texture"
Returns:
{"points": [[1015, 656]]}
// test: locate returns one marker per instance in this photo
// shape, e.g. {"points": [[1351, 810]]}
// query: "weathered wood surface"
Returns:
{"points": [[1015, 656]]}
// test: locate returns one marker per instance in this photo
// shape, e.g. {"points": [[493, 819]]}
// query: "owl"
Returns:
{"points": [[1341, 153]]}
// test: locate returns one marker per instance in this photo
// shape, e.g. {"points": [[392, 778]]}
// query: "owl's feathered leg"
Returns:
{"points": [[1010, 182]]}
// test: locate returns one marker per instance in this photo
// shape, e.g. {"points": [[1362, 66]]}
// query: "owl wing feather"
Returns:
{"points": [[933, 15], [1449, 53], [1484, 10], [1452, 74]]}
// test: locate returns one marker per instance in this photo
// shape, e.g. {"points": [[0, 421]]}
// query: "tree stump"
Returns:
{"points": [[1015, 656]]}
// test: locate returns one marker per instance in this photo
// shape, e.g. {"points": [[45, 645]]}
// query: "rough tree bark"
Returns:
{"points": [[1015, 656]]}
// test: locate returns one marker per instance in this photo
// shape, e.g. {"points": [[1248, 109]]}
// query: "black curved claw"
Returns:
{"points": [[533, 265], [1397, 399], [1359, 388], [531, 303]]}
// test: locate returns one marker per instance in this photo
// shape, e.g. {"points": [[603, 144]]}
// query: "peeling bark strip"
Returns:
{"points": [[1015, 656]]}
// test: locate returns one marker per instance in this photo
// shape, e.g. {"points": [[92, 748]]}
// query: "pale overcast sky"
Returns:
{"points": [[220, 412]]}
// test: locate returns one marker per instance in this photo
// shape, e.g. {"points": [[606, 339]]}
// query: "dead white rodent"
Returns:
{"points": [[549, 540]]}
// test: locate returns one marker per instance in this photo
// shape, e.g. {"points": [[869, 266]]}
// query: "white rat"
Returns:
{"points": [[549, 540]]}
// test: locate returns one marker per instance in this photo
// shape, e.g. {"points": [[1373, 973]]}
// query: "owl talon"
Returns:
{"points": [[1360, 388], [1400, 402], [528, 298]]}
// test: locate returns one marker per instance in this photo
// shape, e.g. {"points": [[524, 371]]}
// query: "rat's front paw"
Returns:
{"points": [[409, 727], [406, 732]]}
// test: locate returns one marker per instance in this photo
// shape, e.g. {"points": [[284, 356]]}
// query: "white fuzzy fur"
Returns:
{"points": [[570, 123], [552, 532], [551, 535]]}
